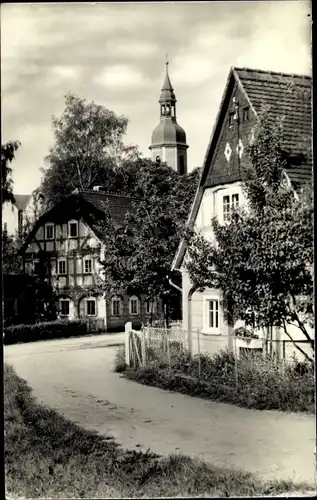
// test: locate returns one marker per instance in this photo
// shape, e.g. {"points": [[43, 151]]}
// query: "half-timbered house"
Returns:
{"points": [[65, 237]]}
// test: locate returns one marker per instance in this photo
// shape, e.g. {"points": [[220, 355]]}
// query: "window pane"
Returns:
{"points": [[235, 200], [36, 267], [226, 207], [64, 307], [91, 307], [49, 232], [61, 267], [88, 266], [73, 229]]}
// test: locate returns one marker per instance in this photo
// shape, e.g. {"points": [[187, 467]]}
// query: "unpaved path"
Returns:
{"points": [[75, 376]]}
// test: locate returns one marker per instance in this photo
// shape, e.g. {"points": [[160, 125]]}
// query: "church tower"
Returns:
{"points": [[168, 138]]}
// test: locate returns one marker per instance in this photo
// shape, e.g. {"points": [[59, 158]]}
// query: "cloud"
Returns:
{"points": [[121, 77], [114, 53]]}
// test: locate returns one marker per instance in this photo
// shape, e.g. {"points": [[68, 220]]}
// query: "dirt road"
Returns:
{"points": [[75, 376]]}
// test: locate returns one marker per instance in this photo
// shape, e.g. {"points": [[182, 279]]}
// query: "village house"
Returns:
{"points": [[220, 188], [66, 237], [22, 213]]}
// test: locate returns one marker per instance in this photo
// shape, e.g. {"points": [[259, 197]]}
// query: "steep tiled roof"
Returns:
{"points": [[21, 200], [90, 205], [117, 204], [288, 96]]}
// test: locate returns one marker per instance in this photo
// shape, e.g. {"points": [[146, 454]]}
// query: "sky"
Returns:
{"points": [[114, 54]]}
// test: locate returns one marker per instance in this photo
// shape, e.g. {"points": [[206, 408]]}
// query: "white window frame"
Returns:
{"points": [[59, 261], [113, 301], [49, 225], [131, 300], [69, 225], [60, 306], [232, 201], [212, 330], [87, 259], [90, 299]]}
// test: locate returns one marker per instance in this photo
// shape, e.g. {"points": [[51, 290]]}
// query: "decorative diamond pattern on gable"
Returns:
{"points": [[228, 151], [240, 148]]}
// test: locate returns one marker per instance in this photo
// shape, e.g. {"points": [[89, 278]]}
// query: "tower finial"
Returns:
{"points": [[166, 61]]}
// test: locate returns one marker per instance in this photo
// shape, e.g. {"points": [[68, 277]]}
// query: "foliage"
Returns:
{"points": [[88, 149], [262, 383], [137, 258], [44, 331], [11, 262], [48, 456], [8, 151], [262, 260]]}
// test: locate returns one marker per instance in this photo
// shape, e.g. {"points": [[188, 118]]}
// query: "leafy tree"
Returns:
{"points": [[8, 151], [87, 150], [138, 256], [11, 262], [262, 259]]}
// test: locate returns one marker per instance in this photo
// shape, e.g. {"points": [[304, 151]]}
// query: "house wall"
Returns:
{"points": [[73, 285], [222, 179], [10, 218]]}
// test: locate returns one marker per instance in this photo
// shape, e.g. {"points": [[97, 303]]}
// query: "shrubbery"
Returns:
{"points": [[45, 331], [258, 383]]}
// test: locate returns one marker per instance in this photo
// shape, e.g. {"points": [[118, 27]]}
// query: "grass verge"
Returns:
{"points": [[262, 383], [47, 455]]}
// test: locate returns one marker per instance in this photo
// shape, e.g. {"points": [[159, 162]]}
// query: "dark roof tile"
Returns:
{"points": [[288, 96]]}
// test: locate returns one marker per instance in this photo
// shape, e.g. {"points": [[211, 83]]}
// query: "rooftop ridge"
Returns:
{"points": [[91, 191], [269, 72]]}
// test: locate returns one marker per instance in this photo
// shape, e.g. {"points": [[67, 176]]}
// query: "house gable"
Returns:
{"points": [[288, 97]]}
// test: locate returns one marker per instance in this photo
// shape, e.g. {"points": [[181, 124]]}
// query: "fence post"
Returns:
{"points": [[143, 351], [127, 329]]}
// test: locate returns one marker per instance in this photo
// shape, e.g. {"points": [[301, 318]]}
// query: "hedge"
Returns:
{"points": [[45, 331]]}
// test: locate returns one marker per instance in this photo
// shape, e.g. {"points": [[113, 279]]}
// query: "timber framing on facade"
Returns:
{"points": [[67, 239]]}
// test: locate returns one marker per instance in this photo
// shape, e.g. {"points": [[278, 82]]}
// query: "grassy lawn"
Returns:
{"points": [[46, 455]]}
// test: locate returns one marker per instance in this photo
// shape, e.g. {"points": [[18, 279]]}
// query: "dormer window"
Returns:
{"points": [[245, 114], [73, 229], [49, 231]]}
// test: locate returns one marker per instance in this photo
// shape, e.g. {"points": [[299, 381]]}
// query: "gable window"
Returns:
{"points": [[116, 306], [49, 231], [231, 118], [73, 229], [228, 204], [245, 114], [90, 307], [213, 314], [61, 266], [88, 265], [133, 305], [64, 307]]}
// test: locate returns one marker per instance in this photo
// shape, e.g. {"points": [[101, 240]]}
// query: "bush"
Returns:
{"points": [[44, 331], [257, 383], [119, 363]]}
